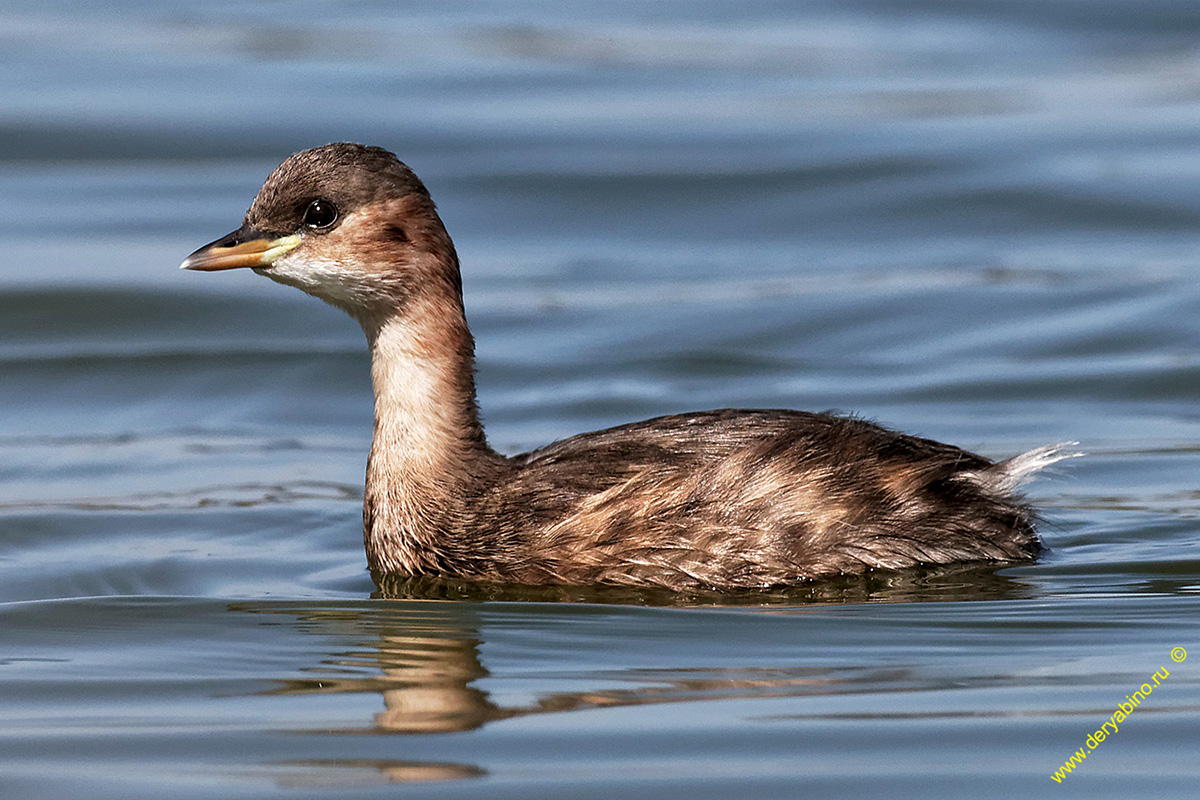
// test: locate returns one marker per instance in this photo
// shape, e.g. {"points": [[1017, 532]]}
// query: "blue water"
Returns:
{"points": [[976, 222]]}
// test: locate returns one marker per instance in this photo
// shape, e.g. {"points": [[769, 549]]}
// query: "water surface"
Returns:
{"points": [[977, 223]]}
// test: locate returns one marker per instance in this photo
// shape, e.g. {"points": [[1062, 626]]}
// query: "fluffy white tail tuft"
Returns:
{"points": [[1007, 475]]}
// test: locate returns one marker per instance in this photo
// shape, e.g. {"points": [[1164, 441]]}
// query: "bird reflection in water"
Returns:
{"points": [[423, 657]]}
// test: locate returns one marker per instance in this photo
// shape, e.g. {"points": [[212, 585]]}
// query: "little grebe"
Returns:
{"points": [[719, 499]]}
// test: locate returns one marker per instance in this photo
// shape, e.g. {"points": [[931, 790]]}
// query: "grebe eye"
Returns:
{"points": [[320, 214]]}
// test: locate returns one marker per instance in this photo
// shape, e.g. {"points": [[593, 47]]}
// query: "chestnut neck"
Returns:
{"points": [[429, 456]]}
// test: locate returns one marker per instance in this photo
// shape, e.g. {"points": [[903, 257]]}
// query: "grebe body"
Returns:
{"points": [[721, 499]]}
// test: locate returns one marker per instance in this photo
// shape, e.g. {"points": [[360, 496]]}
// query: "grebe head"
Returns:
{"points": [[344, 222]]}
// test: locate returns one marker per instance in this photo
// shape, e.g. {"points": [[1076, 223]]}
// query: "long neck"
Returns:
{"points": [[429, 457]]}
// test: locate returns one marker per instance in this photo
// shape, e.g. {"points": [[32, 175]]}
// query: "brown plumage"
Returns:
{"points": [[720, 499]]}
